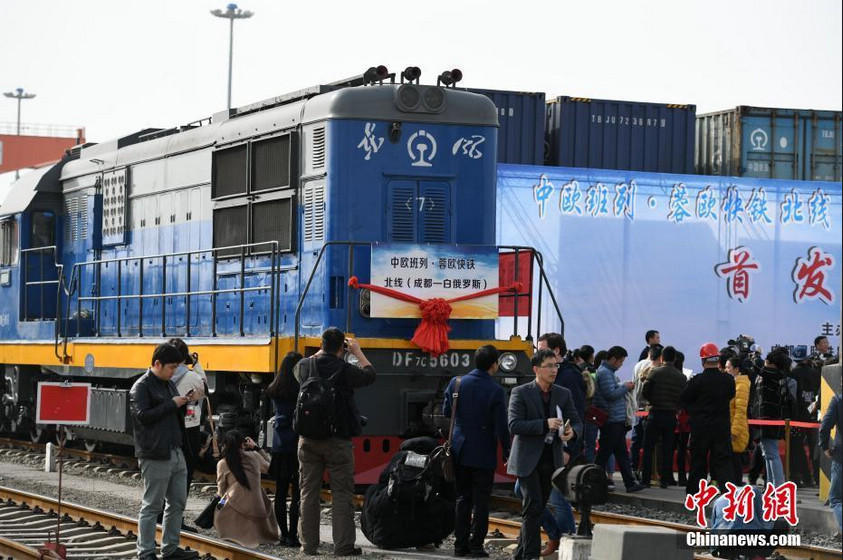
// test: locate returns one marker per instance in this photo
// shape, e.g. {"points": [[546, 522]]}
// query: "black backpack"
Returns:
{"points": [[411, 505], [316, 407]]}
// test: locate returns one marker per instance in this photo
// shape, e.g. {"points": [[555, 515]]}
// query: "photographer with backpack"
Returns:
{"points": [[326, 418], [773, 398]]}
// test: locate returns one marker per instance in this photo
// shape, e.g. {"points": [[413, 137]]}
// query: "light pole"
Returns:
{"points": [[20, 96], [231, 13]]}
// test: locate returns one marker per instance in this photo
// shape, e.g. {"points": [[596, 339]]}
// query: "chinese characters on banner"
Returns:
{"points": [[776, 502], [736, 271], [809, 275], [732, 207], [434, 271]]}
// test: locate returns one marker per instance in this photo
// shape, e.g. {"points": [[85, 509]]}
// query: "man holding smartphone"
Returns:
{"points": [[539, 434], [158, 418]]}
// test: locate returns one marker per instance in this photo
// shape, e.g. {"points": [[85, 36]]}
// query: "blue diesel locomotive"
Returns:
{"points": [[239, 233]]}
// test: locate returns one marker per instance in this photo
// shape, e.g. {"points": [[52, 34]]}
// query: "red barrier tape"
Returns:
{"points": [[793, 423]]}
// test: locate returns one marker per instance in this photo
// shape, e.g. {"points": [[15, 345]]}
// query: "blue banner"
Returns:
{"points": [[698, 258]]}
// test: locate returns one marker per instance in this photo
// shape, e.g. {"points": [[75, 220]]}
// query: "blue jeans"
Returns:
{"points": [[835, 490], [164, 479], [562, 514], [546, 521], [772, 460]]}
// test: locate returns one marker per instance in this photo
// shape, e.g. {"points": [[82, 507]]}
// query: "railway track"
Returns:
{"points": [[28, 520], [504, 527]]}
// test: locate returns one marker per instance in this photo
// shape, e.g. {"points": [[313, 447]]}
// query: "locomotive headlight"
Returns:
{"points": [[507, 362], [409, 97], [351, 359], [434, 99]]}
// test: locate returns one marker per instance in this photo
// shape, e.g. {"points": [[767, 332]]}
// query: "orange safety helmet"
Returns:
{"points": [[709, 350]]}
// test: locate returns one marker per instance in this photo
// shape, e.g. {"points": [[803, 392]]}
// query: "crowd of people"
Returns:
{"points": [[576, 408]]}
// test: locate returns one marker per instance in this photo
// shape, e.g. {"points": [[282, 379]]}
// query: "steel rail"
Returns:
{"points": [[204, 545], [16, 550]]}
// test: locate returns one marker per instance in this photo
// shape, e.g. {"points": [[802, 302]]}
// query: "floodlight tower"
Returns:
{"points": [[231, 13], [20, 96]]}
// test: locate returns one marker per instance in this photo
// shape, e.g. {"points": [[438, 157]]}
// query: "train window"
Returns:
{"points": [[229, 230], [271, 164], [273, 221], [42, 230], [230, 176], [9, 242]]}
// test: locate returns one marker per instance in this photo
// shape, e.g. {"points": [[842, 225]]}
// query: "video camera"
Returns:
{"points": [[744, 346], [748, 352]]}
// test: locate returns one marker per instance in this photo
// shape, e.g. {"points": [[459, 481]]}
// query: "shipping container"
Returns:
{"points": [[793, 144], [521, 132], [620, 135]]}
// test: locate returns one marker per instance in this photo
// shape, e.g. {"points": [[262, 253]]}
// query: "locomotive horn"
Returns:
{"points": [[375, 74], [411, 74], [449, 77]]}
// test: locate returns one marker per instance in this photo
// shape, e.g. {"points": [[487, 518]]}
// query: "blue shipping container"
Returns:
{"points": [[793, 144], [620, 135], [521, 119]]}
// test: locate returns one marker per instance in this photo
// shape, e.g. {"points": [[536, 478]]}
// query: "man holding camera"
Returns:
{"points": [[334, 452]]}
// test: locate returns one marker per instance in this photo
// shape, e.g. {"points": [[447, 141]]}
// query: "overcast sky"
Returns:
{"points": [[117, 66]]}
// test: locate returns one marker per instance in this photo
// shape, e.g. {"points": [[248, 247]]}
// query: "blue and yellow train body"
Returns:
{"points": [[239, 234]]}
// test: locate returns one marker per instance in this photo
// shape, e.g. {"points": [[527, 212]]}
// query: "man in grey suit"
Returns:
{"points": [[537, 445]]}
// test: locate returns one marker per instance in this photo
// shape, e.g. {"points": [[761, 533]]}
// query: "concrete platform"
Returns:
{"points": [[813, 515], [621, 542]]}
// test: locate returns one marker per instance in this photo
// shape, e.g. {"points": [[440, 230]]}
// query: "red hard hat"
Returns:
{"points": [[709, 350]]}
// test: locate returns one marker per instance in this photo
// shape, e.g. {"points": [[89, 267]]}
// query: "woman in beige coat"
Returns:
{"points": [[246, 515]]}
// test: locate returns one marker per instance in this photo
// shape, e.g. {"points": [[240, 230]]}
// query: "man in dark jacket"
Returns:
{"points": [[653, 338], [569, 376], [662, 387], [537, 444], [158, 419], [833, 418], [479, 425], [707, 398], [559, 515], [334, 453]]}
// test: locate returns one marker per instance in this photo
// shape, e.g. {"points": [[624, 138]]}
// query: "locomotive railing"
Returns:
{"points": [[87, 305], [535, 259]]}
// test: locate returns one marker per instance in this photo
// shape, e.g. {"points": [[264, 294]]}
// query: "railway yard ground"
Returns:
{"points": [[118, 490]]}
